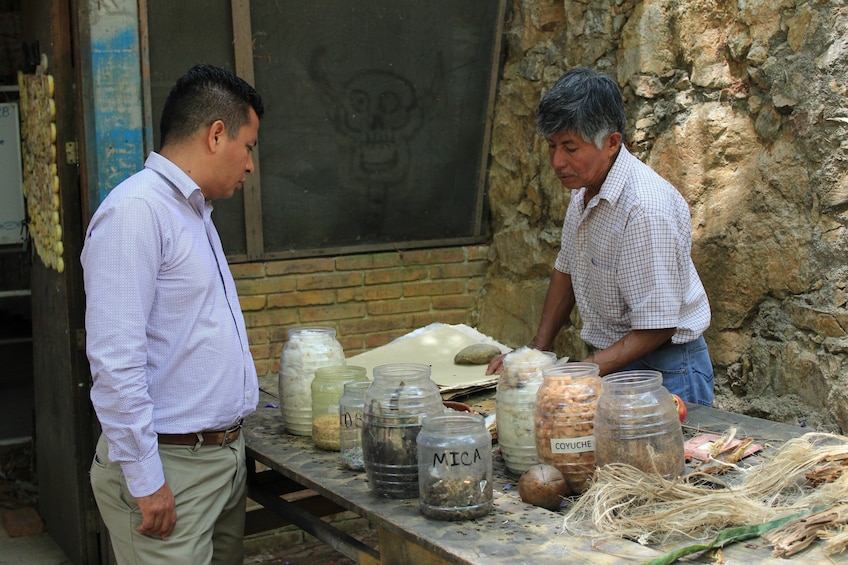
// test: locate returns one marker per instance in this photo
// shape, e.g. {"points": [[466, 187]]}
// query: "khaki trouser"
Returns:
{"points": [[209, 487]]}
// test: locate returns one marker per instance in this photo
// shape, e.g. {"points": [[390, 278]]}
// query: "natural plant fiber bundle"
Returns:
{"points": [[837, 541], [796, 535], [626, 502]]}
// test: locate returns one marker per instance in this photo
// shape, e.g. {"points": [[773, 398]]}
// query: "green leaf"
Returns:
{"points": [[725, 537]]}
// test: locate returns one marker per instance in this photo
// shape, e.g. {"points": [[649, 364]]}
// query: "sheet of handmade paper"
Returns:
{"points": [[435, 345]]}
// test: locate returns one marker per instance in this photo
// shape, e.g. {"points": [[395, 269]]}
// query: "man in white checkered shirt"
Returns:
{"points": [[625, 255]]}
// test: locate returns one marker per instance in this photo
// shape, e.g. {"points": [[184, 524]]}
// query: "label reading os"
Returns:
{"points": [[573, 444]]}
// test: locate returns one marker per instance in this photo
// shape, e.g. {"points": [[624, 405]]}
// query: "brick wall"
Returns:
{"points": [[369, 299]]}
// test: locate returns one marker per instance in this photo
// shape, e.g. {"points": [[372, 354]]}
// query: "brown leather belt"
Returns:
{"points": [[219, 438]]}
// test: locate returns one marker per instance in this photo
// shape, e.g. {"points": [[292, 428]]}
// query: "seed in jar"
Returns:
{"points": [[326, 432], [565, 427]]}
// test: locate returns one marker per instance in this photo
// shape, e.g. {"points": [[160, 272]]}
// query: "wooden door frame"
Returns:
{"points": [[63, 436]]}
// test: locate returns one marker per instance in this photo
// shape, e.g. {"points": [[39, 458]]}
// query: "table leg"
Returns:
{"points": [[395, 550], [267, 496]]}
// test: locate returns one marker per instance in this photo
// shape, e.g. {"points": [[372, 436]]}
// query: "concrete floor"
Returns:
{"points": [[42, 550], [307, 553], [30, 550]]}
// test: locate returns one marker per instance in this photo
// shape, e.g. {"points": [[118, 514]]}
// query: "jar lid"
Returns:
{"points": [[341, 372], [354, 387], [454, 422], [402, 371], [311, 331], [573, 369], [632, 382]]}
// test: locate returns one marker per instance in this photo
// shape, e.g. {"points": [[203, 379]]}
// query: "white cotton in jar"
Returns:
{"points": [[515, 406], [306, 350]]}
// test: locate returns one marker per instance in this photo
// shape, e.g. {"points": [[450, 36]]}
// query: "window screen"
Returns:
{"points": [[375, 132], [174, 47]]}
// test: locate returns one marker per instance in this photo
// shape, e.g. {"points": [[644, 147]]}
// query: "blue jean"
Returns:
{"points": [[686, 369]]}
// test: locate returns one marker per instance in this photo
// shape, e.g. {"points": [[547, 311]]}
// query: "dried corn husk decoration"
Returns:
{"points": [[40, 166]]}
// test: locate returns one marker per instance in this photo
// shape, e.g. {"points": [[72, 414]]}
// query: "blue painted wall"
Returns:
{"points": [[116, 129]]}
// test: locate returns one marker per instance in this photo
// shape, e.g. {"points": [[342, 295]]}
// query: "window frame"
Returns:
{"points": [[252, 190]]}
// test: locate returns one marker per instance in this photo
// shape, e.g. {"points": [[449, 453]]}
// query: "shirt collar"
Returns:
{"points": [[613, 184], [179, 180]]}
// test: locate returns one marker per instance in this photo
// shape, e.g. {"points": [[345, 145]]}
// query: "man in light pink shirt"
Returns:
{"points": [[172, 372]]}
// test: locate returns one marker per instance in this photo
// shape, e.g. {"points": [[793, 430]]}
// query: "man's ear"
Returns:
{"points": [[614, 141], [215, 134]]}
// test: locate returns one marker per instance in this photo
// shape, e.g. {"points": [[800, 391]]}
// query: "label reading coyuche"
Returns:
{"points": [[573, 444]]}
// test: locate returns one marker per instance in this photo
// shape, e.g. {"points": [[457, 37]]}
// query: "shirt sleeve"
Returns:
{"points": [[121, 260]]}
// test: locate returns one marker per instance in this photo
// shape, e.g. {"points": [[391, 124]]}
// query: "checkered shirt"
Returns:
{"points": [[628, 254]]}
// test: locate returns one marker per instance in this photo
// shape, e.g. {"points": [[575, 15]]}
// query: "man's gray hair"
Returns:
{"points": [[585, 102]]}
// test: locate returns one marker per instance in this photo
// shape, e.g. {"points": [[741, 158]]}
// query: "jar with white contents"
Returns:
{"points": [[515, 408], [307, 349], [351, 406]]}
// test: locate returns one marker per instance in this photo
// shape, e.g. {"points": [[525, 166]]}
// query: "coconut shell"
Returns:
{"points": [[542, 485]]}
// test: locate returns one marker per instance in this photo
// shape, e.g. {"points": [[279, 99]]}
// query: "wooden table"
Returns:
{"points": [[513, 533]]}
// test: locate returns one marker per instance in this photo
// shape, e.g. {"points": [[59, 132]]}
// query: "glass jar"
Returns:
{"points": [[455, 467], [636, 422], [327, 389], [515, 406], [398, 400], [307, 349], [565, 413], [351, 406]]}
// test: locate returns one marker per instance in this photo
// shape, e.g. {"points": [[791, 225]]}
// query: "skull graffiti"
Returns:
{"points": [[378, 113]]}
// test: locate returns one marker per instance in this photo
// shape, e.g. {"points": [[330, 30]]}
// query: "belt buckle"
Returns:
{"points": [[229, 431]]}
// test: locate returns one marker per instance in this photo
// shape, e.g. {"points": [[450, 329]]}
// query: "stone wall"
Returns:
{"points": [[369, 299], [743, 106]]}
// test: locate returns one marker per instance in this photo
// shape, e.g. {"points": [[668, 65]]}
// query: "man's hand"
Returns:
{"points": [[158, 513], [495, 365]]}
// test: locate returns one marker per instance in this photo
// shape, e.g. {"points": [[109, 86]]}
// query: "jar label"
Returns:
{"points": [[455, 458], [573, 444], [349, 420]]}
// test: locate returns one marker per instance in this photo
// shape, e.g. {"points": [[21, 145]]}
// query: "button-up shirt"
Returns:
{"points": [[628, 253], [165, 335]]}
